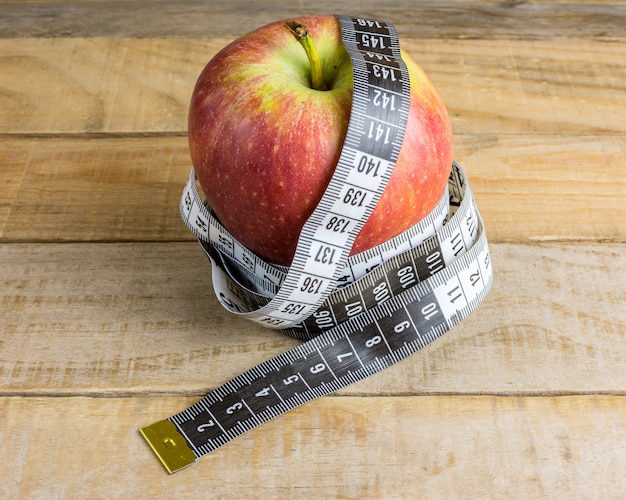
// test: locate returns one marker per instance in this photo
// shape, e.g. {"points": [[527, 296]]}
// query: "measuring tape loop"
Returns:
{"points": [[197, 216], [357, 315], [363, 345], [373, 280]]}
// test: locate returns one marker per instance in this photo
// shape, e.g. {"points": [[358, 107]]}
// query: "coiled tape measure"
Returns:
{"points": [[359, 314]]}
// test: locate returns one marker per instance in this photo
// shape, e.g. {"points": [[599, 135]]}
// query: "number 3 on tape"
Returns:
{"points": [[357, 315]]}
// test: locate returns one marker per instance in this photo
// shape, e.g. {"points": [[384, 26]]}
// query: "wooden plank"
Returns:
{"points": [[108, 321], [130, 318], [427, 19], [99, 85], [128, 189], [14, 166], [527, 87], [548, 188], [130, 86], [114, 189], [403, 447]]}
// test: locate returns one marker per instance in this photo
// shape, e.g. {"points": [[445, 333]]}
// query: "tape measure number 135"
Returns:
{"points": [[357, 315]]}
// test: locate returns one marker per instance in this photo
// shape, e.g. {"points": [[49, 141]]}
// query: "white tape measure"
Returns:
{"points": [[358, 315]]}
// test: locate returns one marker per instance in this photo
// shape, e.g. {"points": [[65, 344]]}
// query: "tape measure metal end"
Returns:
{"points": [[168, 445]]}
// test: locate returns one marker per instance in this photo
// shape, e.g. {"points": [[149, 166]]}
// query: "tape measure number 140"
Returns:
{"points": [[357, 316]]}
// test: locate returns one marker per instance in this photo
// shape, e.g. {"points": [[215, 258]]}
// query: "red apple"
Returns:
{"points": [[264, 143]]}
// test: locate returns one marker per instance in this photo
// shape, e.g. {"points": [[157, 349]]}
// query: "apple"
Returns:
{"points": [[267, 121]]}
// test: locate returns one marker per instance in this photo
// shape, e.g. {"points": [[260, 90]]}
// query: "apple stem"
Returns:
{"points": [[301, 33]]}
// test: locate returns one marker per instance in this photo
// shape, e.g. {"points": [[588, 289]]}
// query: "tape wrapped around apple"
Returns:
{"points": [[267, 125]]}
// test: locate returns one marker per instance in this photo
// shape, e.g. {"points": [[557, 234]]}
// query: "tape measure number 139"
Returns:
{"points": [[363, 313]]}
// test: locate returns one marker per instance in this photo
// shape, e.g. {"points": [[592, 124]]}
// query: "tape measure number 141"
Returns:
{"points": [[356, 315]]}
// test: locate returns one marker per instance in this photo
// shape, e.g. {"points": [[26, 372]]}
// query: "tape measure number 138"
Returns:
{"points": [[357, 316]]}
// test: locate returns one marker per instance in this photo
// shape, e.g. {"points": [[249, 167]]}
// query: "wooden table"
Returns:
{"points": [[109, 322]]}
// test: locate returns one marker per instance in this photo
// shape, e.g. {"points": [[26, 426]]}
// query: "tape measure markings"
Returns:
{"points": [[359, 314], [206, 228], [268, 277], [343, 355], [355, 349], [419, 263]]}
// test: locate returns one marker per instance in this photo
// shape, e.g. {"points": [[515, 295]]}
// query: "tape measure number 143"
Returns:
{"points": [[357, 315]]}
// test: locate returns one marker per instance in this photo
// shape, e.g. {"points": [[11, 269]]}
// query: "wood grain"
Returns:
{"points": [[489, 86], [128, 189], [424, 447], [131, 318], [110, 189], [107, 317], [599, 20]]}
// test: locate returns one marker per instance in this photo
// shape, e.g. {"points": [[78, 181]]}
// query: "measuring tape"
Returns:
{"points": [[357, 314]]}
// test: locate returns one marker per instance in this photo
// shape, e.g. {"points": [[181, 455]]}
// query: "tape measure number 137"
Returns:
{"points": [[357, 316]]}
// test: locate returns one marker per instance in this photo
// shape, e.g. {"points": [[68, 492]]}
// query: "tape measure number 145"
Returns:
{"points": [[356, 315]]}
